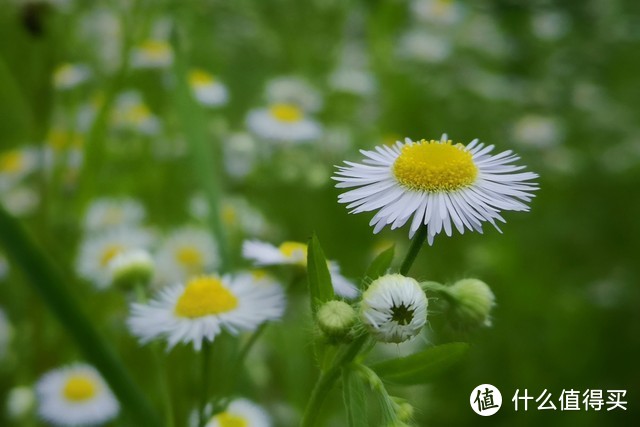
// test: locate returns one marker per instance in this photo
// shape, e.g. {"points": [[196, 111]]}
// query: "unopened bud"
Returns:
{"points": [[471, 303], [335, 319]]}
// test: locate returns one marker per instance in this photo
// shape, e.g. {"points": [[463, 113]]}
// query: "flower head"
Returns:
{"points": [[152, 54], [283, 122], [201, 308], [394, 308], [438, 183], [75, 395], [207, 89], [241, 413], [105, 213], [68, 76], [131, 268]]}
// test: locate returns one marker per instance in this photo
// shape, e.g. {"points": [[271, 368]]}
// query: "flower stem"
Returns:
{"points": [[416, 245], [204, 391], [327, 379]]}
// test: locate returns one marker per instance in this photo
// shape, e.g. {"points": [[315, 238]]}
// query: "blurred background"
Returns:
{"points": [[90, 109]]}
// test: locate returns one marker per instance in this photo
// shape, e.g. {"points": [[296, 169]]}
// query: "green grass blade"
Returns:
{"points": [[320, 286]]}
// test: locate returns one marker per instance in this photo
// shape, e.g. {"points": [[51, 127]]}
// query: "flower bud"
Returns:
{"points": [[20, 402], [335, 319], [471, 303], [404, 410], [131, 268]]}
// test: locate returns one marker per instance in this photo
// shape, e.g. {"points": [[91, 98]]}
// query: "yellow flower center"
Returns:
{"points": [[190, 257], [295, 250], [12, 162], [109, 253], [203, 296], [434, 166], [200, 78], [156, 49], [227, 419], [79, 387], [138, 113], [229, 216], [286, 112]]}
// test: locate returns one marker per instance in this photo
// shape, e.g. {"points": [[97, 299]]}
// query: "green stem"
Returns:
{"points": [[416, 245], [47, 279], [204, 391], [327, 379]]}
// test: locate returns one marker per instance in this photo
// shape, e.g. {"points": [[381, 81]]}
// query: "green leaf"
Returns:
{"points": [[421, 367], [320, 286], [379, 266], [355, 398]]}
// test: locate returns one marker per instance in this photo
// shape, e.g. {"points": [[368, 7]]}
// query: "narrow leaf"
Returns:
{"points": [[320, 286], [379, 266], [355, 398], [421, 367]]}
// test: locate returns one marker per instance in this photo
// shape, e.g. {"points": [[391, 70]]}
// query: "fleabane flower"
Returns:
{"points": [[132, 113], [97, 251], [294, 253], [206, 89], [204, 306], [105, 213], [283, 122], [68, 76], [152, 54], [75, 395], [16, 164], [186, 252], [394, 308], [241, 413], [438, 183]]}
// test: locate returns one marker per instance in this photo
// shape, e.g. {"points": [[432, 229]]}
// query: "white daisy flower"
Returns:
{"points": [[424, 46], [436, 182], [20, 402], [206, 89], [294, 253], [16, 164], [200, 309], [439, 12], [105, 213], [241, 413], [68, 76], [537, 131], [152, 54], [20, 201], [97, 251], [131, 268], [394, 308], [186, 252], [131, 113], [283, 122], [295, 91], [75, 395], [352, 80], [240, 151]]}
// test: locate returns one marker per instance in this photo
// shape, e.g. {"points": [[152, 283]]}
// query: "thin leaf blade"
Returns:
{"points": [[320, 286], [379, 266], [355, 398]]}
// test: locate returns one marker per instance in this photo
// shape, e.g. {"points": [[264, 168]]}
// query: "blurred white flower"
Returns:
{"points": [[241, 413], [96, 251], [152, 53], [439, 12], [186, 252], [75, 395], [295, 91], [68, 76], [17, 164], [207, 89], [537, 131], [20, 402], [200, 309], [550, 25], [355, 81], [283, 123], [20, 200], [105, 213], [131, 113], [424, 46], [241, 153]]}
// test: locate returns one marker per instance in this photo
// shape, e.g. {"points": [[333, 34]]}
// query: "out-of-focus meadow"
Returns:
{"points": [[93, 105]]}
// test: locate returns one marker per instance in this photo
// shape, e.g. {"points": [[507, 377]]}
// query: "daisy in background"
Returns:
{"points": [[241, 151], [75, 395], [236, 214], [17, 164], [537, 131], [294, 253], [353, 80], [424, 46], [438, 183], [131, 113], [105, 213], [283, 122], [67, 76], [204, 306], [295, 91], [241, 413], [97, 251], [20, 200], [186, 252], [394, 308], [152, 54], [61, 143], [207, 90], [439, 12]]}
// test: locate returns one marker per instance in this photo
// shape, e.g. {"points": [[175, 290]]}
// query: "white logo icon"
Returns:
{"points": [[485, 400]]}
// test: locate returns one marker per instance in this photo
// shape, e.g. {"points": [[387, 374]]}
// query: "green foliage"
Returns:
{"points": [[355, 398], [379, 266], [320, 288], [423, 367]]}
